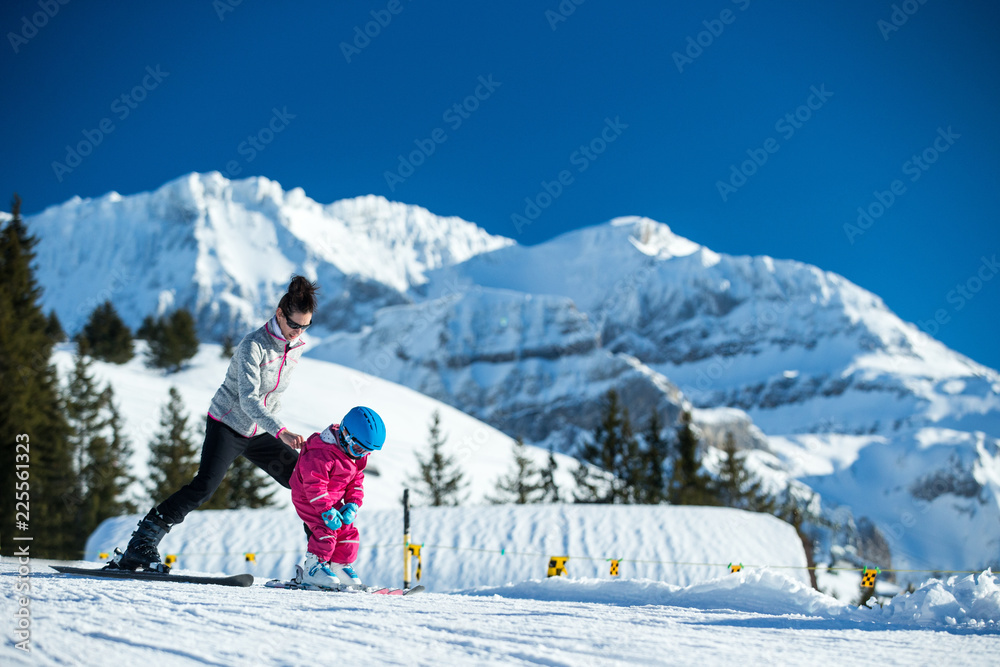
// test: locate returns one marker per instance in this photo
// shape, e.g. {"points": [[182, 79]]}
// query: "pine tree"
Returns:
{"points": [[147, 330], [737, 486], [105, 476], [172, 340], [548, 486], [100, 448], [632, 469], [654, 488], [441, 482], [53, 329], [594, 476], [107, 335], [173, 456], [610, 469], [34, 445], [228, 347], [520, 485], [689, 484], [84, 405]]}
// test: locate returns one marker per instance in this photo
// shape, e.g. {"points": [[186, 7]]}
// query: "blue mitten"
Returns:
{"points": [[348, 512], [332, 519]]}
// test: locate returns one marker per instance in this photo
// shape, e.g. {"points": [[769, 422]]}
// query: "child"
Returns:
{"points": [[327, 490]]}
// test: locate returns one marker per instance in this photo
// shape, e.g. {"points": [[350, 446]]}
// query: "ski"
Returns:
{"points": [[374, 590], [241, 580]]}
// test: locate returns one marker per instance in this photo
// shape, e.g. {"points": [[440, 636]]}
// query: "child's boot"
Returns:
{"points": [[318, 573], [345, 574]]}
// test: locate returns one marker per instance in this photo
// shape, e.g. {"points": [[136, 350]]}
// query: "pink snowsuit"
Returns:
{"points": [[324, 477]]}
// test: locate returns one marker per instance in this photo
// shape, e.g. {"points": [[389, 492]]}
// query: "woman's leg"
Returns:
{"points": [[222, 446], [273, 457]]}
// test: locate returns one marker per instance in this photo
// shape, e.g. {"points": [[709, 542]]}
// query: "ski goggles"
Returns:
{"points": [[352, 445]]}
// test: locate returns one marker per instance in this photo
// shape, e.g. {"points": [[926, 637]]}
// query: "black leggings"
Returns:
{"points": [[222, 446]]}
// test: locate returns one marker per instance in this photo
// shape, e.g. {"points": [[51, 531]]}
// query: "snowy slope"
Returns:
{"points": [[751, 618], [483, 607], [321, 393]]}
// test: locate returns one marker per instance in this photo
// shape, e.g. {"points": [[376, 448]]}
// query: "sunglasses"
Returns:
{"points": [[292, 324]]}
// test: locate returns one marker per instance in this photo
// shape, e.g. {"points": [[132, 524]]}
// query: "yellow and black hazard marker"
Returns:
{"points": [[250, 557], [869, 576], [735, 567], [614, 566], [557, 566], [414, 551]]}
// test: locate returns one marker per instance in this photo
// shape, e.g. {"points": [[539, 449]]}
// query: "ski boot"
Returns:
{"points": [[141, 550], [346, 574], [316, 573]]}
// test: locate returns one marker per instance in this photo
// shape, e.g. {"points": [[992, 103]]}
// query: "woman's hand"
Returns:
{"points": [[293, 440]]}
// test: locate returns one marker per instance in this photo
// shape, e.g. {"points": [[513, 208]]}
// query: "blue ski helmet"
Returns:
{"points": [[362, 432]]}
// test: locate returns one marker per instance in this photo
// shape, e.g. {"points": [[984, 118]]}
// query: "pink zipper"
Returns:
{"points": [[284, 356], [280, 368]]}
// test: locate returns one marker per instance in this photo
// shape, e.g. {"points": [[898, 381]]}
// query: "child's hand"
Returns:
{"points": [[348, 512], [332, 519]]}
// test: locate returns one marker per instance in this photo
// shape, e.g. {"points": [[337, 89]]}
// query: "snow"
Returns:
{"points": [[471, 546], [755, 618], [484, 607]]}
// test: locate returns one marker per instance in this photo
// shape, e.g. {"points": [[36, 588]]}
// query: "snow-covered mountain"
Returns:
{"points": [[863, 407], [226, 250], [878, 417], [530, 365]]}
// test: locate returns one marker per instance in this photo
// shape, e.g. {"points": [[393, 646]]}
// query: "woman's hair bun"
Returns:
{"points": [[301, 296]]}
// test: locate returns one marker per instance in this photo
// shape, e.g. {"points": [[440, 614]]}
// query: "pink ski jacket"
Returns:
{"points": [[326, 476]]}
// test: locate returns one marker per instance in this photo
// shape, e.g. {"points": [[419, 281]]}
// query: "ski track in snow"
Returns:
{"points": [[80, 621]]}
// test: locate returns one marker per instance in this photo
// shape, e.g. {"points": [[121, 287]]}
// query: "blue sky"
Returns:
{"points": [[749, 127]]}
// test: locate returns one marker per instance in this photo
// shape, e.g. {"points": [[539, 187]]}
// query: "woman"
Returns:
{"points": [[241, 422]]}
